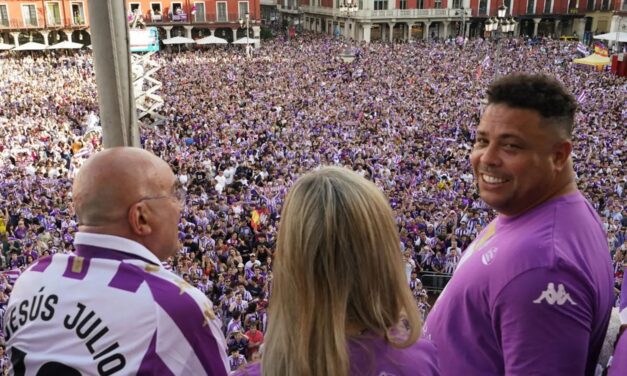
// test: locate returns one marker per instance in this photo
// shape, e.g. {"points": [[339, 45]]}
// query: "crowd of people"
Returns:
{"points": [[238, 132]]}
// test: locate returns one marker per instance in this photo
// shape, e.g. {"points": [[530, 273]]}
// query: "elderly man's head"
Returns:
{"points": [[131, 193]]}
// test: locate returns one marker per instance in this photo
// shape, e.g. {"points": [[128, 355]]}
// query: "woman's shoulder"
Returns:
{"points": [[250, 369], [375, 356]]}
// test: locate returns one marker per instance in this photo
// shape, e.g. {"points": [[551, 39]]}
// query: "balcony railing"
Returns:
{"points": [[78, 21], [208, 18], [55, 22], [434, 282], [18, 23], [387, 13]]}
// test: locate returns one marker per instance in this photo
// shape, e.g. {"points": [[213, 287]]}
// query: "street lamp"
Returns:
{"points": [[500, 24], [349, 8], [241, 24], [462, 14]]}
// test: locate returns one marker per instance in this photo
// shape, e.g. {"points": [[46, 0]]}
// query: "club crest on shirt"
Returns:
{"points": [[476, 245], [552, 296], [489, 256]]}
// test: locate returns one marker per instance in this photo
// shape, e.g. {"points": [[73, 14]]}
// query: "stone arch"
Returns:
{"points": [[81, 36], [241, 32], [224, 33], [32, 36], [200, 32], [177, 31]]}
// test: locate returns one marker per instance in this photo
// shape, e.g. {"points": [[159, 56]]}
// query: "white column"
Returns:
{"points": [[168, 31], [580, 27], [257, 35], [536, 22], [234, 34], [391, 26], [188, 31], [445, 23], [556, 32], [614, 27], [112, 63], [425, 30], [410, 26], [367, 29], [45, 35], [68, 34], [16, 38]]}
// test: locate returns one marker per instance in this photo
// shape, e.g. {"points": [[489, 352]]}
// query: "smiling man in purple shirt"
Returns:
{"points": [[532, 294], [619, 362]]}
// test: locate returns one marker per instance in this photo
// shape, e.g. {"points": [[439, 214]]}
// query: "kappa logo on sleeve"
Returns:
{"points": [[552, 296]]}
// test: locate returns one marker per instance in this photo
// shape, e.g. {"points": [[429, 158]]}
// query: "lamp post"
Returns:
{"points": [[462, 14], [348, 7], [246, 21], [500, 24], [618, 31]]}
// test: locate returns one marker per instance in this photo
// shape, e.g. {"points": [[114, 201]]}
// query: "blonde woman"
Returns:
{"points": [[340, 302]]}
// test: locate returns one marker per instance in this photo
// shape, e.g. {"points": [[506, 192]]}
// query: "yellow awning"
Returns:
{"points": [[593, 59]]}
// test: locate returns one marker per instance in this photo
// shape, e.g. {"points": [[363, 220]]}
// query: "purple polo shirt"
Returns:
{"points": [[531, 295], [619, 362], [374, 356]]}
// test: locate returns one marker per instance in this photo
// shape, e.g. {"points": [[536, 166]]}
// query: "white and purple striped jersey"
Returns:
{"points": [[110, 309]]}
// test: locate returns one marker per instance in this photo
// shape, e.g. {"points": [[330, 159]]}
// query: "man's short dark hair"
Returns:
{"points": [[539, 93]]}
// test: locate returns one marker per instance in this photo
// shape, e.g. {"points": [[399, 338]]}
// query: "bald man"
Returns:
{"points": [[111, 308]]}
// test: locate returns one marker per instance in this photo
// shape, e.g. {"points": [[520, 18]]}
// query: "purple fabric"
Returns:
{"points": [[623, 297], [373, 356], [532, 295], [126, 278], [619, 362], [184, 311], [69, 273], [152, 364], [42, 264]]}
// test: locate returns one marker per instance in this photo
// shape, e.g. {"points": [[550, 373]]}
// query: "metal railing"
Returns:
{"points": [[192, 19], [386, 13], [18, 23], [434, 282]]}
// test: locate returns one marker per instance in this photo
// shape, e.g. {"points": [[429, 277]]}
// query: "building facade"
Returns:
{"points": [[53, 21], [46, 22], [426, 19]]}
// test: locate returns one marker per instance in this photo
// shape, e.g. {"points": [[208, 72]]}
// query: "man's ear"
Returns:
{"points": [[139, 216], [561, 154]]}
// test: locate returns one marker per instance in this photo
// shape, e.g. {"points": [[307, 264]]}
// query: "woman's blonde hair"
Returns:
{"points": [[338, 266]]}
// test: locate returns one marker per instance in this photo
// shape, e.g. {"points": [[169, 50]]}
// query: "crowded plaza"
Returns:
{"points": [[238, 132]]}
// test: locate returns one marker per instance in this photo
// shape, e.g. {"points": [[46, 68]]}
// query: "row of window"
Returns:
{"points": [[483, 5], [177, 12], [52, 14]]}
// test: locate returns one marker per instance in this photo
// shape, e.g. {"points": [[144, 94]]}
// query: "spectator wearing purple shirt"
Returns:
{"points": [[533, 294], [329, 314], [619, 361]]}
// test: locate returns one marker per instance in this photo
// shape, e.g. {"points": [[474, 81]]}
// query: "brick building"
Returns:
{"points": [[411, 19], [53, 21]]}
